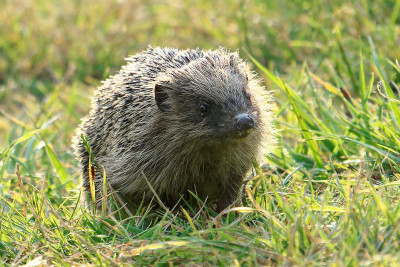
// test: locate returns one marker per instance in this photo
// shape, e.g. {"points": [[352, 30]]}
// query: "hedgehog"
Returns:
{"points": [[174, 121]]}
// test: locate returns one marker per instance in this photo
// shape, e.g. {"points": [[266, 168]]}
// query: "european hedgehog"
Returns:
{"points": [[184, 120]]}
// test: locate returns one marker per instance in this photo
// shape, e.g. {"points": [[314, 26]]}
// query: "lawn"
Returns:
{"points": [[327, 195]]}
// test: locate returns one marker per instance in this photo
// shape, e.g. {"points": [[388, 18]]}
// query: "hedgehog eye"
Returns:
{"points": [[203, 108], [247, 95]]}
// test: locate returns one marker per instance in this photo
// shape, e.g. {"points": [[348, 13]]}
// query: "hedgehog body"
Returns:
{"points": [[184, 120]]}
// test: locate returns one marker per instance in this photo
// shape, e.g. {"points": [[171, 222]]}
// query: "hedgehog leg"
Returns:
{"points": [[230, 194]]}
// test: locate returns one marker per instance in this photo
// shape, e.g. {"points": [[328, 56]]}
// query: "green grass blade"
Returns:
{"points": [[62, 173], [395, 13], [312, 144], [393, 104]]}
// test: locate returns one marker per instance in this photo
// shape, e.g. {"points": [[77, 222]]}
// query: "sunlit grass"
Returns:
{"points": [[328, 194]]}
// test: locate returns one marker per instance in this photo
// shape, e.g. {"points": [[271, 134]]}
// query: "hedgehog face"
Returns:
{"points": [[234, 117], [211, 98]]}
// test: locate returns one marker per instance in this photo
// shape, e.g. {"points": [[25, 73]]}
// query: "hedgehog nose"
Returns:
{"points": [[243, 122]]}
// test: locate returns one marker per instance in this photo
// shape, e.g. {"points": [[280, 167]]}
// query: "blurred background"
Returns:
{"points": [[53, 54]]}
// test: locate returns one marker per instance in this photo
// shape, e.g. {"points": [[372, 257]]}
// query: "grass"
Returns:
{"points": [[328, 194]]}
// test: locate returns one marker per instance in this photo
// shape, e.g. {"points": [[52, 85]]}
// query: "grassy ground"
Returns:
{"points": [[328, 195]]}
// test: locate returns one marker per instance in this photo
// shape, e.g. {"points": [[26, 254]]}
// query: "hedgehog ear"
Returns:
{"points": [[161, 96]]}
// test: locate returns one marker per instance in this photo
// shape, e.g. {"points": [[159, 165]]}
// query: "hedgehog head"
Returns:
{"points": [[215, 97]]}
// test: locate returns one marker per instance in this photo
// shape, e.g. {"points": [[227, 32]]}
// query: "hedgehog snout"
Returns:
{"points": [[243, 122]]}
